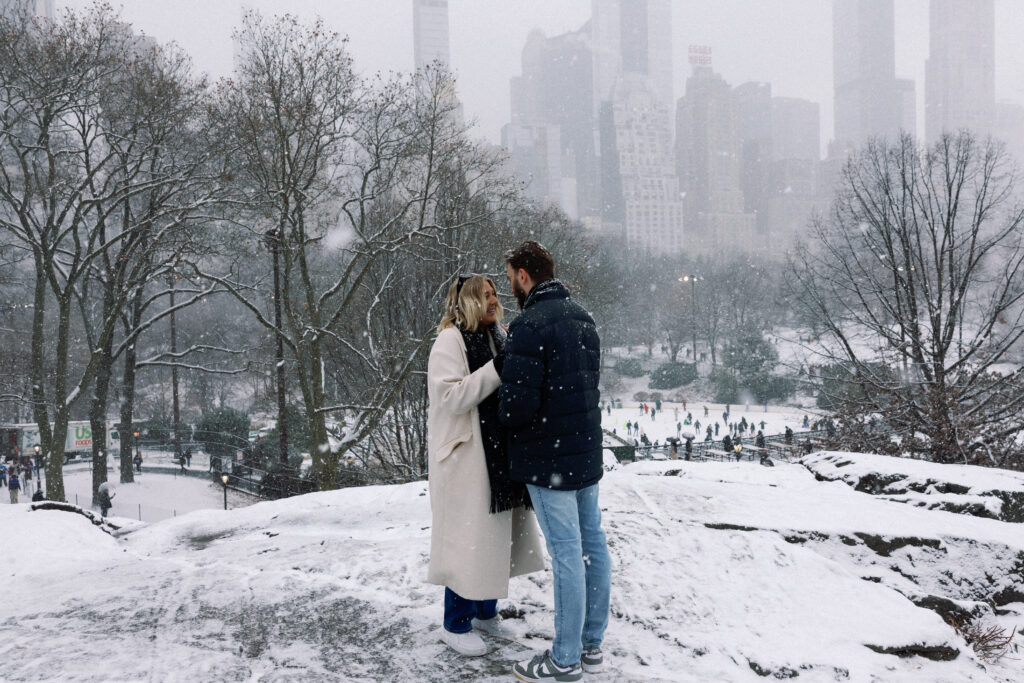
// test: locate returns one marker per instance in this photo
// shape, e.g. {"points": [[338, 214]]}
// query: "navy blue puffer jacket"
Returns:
{"points": [[548, 395]]}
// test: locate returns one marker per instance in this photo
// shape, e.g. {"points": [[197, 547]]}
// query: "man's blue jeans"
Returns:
{"points": [[571, 522], [460, 612]]}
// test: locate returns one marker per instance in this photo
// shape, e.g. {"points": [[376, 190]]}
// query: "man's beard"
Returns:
{"points": [[519, 294]]}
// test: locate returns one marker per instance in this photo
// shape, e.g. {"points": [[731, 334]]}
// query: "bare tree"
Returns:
{"points": [[916, 277], [348, 175]]}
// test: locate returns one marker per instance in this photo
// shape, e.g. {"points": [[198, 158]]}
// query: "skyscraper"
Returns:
{"points": [[650, 202], [43, 8], [555, 90], [632, 37], [754, 129], [430, 32], [708, 166], [867, 102], [960, 71]]}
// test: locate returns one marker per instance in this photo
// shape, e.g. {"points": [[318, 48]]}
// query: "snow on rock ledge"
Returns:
{"points": [[963, 489]]}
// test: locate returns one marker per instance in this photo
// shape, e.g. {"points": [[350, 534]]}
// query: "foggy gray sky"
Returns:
{"points": [[785, 42]]}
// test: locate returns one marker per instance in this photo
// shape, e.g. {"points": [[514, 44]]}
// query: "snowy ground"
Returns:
{"points": [[158, 493], [722, 572]]}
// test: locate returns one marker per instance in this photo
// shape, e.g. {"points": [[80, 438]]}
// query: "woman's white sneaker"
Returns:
{"points": [[468, 644], [495, 626]]}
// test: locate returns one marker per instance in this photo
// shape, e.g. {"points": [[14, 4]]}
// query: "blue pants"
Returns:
{"points": [[460, 612], [581, 565]]}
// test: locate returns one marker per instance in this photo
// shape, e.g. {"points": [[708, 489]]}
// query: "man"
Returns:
{"points": [[14, 485], [548, 401]]}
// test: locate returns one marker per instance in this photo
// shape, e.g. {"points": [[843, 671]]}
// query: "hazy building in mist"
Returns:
{"points": [[535, 155], [795, 129], [555, 89], [430, 32], [708, 165], [960, 71], [651, 207], [1008, 126], [632, 37], [869, 101], [780, 147], [43, 8], [754, 129]]}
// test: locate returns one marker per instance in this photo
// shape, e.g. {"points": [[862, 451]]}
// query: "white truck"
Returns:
{"points": [[21, 439]]}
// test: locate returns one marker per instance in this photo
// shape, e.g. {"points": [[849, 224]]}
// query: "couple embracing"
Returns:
{"points": [[514, 438]]}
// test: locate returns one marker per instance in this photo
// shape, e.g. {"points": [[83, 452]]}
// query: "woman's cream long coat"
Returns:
{"points": [[471, 551]]}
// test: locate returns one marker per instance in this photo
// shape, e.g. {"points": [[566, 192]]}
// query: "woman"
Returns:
{"points": [[483, 532]]}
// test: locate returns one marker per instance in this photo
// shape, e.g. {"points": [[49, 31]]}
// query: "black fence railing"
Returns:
{"points": [[776, 446], [280, 482]]}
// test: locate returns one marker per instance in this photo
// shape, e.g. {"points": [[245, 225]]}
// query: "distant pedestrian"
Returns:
{"points": [[789, 436], [759, 440], [696, 425], [673, 451], [684, 405], [188, 457], [727, 444], [762, 423], [3, 473], [705, 411], [138, 461], [716, 429], [675, 413], [106, 499], [14, 485], [807, 422], [689, 448], [652, 414]]}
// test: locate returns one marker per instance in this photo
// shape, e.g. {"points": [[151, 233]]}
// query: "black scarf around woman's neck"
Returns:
{"points": [[505, 494]]}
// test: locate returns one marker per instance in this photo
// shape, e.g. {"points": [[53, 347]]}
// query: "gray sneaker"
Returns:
{"points": [[542, 668], [592, 661]]}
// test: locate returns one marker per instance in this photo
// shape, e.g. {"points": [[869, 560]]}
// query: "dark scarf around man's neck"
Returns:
{"points": [[505, 494]]}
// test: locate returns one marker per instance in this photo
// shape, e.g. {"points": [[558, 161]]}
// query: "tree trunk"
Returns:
{"points": [[39, 411], [176, 408], [128, 398], [98, 420]]}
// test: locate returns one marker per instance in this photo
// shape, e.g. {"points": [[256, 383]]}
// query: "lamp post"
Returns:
{"points": [[692, 279], [272, 240], [224, 481]]}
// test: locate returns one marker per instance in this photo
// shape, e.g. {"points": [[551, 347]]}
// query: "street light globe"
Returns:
{"points": [[37, 449], [224, 478]]}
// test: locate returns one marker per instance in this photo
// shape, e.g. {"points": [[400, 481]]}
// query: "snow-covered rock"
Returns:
{"points": [[967, 489], [722, 572]]}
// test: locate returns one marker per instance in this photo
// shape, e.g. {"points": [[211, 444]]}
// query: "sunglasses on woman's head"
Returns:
{"points": [[462, 281]]}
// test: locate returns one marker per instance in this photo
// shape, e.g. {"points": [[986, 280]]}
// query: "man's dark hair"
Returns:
{"points": [[534, 258]]}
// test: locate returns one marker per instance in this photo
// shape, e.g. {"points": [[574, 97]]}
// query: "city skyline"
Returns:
{"points": [[785, 42]]}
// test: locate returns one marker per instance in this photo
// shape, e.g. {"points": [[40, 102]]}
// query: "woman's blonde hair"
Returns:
{"points": [[464, 306]]}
